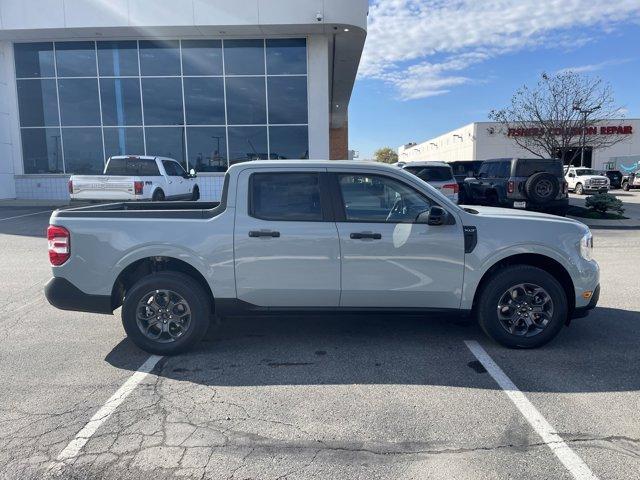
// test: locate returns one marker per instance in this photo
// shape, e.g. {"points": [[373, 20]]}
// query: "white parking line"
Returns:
{"points": [[25, 215], [72, 450], [568, 457]]}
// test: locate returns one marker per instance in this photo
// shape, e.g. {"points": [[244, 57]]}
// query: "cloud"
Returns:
{"points": [[424, 47], [594, 67]]}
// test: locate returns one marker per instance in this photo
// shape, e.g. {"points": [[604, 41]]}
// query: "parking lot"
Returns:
{"points": [[320, 396]]}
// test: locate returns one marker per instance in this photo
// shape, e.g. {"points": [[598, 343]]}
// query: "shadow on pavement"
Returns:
{"points": [[595, 354]]}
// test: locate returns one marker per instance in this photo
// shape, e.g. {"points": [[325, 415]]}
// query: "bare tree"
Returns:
{"points": [[385, 155], [561, 114]]}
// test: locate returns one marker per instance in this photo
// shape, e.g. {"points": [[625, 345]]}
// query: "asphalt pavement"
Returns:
{"points": [[316, 396]]}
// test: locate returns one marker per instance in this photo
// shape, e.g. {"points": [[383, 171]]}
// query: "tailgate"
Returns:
{"points": [[103, 187]]}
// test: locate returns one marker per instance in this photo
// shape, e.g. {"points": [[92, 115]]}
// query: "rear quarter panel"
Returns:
{"points": [[101, 248]]}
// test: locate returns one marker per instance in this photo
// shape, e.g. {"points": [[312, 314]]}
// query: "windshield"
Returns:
{"points": [[586, 171]]}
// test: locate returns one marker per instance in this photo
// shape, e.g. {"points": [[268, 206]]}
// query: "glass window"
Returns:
{"points": [[207, 148], [484, 170], [162, 100], [118, 59], [504, 171], [202, 57], [289, 142], [37, 103], [34, 60], [79, 104], [41, 150], [246, 101], [244, 57], [83, 153], [286, 197], [247, 143], [132, 167], [287, 100], [204, 101], [159, 58], [120, 101], [432, 174], [526, 168], [76, 59], [286, 56], [123, 141], [165, 142], [173, 169], [374, 198]]}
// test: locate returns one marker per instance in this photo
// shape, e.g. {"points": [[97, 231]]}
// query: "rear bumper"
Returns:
{"points": [[582, 312], [63, 294]]}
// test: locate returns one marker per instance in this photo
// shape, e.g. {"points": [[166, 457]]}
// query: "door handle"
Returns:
{"points": [[264, 233], [365, 235]]}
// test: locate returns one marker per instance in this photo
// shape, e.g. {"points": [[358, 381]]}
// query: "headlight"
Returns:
{"points": [[586, 246]]}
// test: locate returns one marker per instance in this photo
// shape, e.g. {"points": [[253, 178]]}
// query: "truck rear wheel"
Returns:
{"points": [[166, 313], [158, 196], [625, 186], [522, 307]]}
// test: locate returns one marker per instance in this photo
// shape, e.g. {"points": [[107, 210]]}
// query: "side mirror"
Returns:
{"points": [[434, 216], [192, 172]]}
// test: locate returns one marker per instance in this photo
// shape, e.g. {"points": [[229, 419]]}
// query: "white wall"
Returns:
{"points": [[7, 186], [318, 96], [484, 140]]}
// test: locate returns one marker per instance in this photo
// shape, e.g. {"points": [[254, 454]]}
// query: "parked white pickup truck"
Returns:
{"points": [[582, 180], [134, 178]]}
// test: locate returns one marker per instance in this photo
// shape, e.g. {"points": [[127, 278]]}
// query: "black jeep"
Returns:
{"points": [[527, 183]]}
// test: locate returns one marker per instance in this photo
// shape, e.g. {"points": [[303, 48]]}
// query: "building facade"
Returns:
{"points": [[207, 82], [485, 140]]}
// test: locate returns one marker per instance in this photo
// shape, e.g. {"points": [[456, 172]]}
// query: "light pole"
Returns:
{"points": [[585, 112]]}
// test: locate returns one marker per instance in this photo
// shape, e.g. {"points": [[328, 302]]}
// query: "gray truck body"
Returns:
{"points": [[316, 264]]}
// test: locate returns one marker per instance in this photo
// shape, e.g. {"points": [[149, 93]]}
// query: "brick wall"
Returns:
{"points": [[339, 142]]}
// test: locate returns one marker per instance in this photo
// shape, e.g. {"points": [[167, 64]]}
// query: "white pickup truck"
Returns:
{"points": [[582, 180], [134, 178]]}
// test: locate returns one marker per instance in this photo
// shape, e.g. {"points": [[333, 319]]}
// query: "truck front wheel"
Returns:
{"points": [[166, 313], [522, 307]]}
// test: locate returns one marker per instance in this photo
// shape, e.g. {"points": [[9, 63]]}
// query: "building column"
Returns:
{"points": [[8, 122], [318, 96], [340, 142]]}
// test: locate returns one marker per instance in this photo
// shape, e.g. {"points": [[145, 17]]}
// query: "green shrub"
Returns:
{"points": [[603, 202]]}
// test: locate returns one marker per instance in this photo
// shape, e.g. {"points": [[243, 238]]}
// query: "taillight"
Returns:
{"points": [[511, 186], [59, 244], [451, 186], [70, 186], [138, 187]]}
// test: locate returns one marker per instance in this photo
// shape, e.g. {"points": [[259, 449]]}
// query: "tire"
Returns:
{"points": [[625, 186], [542, 187], [195, 195], [579, 189], [180, 286], [158, 196], [495, 291]]}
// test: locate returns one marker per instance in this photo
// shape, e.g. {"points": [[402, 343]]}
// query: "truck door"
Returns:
{"points": [[174, 179], [388, 260], [287, 252]]}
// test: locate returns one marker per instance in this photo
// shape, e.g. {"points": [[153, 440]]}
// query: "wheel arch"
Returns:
{"points": [[148, 265], [544, 262]]}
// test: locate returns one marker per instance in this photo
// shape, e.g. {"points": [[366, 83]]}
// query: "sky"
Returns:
{"points": [[433, 65]]}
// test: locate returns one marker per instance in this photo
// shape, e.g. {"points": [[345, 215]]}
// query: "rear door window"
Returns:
{"points": [[432, 174], [526, 168], [285, 197]]}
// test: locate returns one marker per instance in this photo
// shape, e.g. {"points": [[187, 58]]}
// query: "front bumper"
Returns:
{"points": [[581, 312], [63, 294]]}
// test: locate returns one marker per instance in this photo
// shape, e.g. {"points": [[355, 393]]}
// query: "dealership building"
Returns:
{"points": [[207, 82], [485, 140]]}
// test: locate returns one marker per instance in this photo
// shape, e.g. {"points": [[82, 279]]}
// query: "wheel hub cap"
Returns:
{"points": [[525, 310], [163, 316]]}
